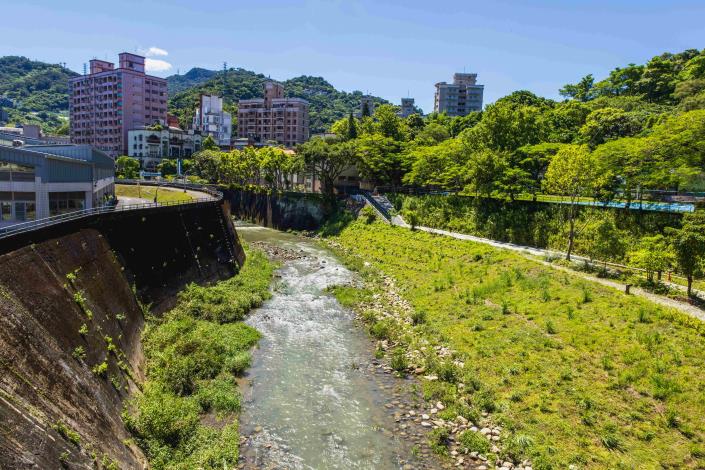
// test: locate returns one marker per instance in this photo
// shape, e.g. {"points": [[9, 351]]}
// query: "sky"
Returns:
{"points": [[391, 49]]}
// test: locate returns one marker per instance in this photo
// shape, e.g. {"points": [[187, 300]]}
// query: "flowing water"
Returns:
{"points": [[310, 401]]}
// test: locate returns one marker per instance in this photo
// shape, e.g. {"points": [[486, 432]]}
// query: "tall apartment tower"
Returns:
{"points": [[210, 119], [274, 117], [109, 101], [407, 107], [459, 98]]}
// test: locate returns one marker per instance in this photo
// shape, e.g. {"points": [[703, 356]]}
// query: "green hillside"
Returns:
{"points": [[327, 103], [39, 90]]}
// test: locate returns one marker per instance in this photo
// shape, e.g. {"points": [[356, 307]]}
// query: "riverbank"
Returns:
{"points": [[546, 366], [186, 413]]}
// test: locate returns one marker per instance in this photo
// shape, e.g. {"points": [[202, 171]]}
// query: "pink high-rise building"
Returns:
{"points": [[109, 101]]}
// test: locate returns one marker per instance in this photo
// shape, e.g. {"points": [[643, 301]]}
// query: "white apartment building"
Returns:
{"points": [[211, 120], [151, 146]]}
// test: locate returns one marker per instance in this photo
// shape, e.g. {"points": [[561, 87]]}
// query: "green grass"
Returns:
{"points": [[568, 367], [148, 192], [193, 354]]}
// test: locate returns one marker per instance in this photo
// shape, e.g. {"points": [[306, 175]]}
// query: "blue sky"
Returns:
{"points": [[385, 47]]}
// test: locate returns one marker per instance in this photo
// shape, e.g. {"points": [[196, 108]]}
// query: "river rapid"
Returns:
{"points": [[315, 397]]}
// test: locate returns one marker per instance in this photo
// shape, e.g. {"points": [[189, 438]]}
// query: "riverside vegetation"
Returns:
{"points": [[572, 372], [186, 415]]}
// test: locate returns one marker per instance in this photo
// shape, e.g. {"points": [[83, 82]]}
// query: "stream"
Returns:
{"points": [[315, 397]]}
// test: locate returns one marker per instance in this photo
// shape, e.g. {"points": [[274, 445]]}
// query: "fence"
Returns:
{"points": [[80, 214]]}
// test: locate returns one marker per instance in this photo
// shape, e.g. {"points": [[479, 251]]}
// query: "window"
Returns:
{"points": [[13, 172], [62, 202], [5, 211]]}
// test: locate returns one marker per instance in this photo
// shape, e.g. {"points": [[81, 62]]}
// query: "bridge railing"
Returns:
{"points": [[31, 225]]}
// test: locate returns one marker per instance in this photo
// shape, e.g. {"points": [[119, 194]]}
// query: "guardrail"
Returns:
{"points": [[31, 225]]}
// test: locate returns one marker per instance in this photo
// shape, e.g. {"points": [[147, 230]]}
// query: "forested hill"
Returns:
{"points": [[39, 91], [327, 103]]}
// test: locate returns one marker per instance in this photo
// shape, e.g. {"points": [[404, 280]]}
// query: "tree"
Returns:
{"points": [[602, 240], [209, 143], [127, 167], [534, 160], [365, 112], [328, 159], [573, 174], [352, 128], [380, 159], [278, 166], [483, 171], [688, 244], [388, 122], [439, 165], [207, 165], [581, 91], [513, 182], [653, 254], [606, 124]]}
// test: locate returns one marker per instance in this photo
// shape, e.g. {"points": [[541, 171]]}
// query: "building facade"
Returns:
{"points": [[274, 117], [210, 119], [367, 106], [459, 98], [151, 146], [105, 104], [407, 107], [38, 181]]}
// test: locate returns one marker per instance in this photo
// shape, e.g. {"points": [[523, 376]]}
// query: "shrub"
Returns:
{"points": [[83, 331], [448, 372], [398, 361], [220, 395], [238, 363], [101, 370], [164, 417], [368, 215], [551, 328], [517, 447], [474, 442], [418, 317], [611, 441], [79, 353], [381, 329], [67, 433], [439, 440]]}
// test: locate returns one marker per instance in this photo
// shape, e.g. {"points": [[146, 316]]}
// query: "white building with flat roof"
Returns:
{"points": [[210, 119]]}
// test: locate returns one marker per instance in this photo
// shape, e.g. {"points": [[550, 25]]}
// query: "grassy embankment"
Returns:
{"points": [[148, 192], [186, 416], [575, 372]]}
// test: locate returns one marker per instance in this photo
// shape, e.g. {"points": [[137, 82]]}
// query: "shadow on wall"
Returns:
{"points": [[282, 211]]}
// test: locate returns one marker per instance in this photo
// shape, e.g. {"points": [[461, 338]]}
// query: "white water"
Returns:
{"points": [[308, 406]]}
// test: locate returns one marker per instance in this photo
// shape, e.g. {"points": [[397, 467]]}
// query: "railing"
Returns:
{"points": [[31, 225]]}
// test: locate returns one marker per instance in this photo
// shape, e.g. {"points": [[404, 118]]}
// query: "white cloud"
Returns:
{"points": [[156, 65], [153, 52]]}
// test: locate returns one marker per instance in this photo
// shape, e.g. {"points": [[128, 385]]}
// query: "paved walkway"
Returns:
{"points": [[540, 252], [129, 201]]}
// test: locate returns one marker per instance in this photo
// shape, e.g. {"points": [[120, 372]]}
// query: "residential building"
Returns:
{"points": [[407, 107], [367, 106], [105, 104], [211, 120], [4, 116], [151, 145], [38, 181], [459, 98], [274, 117]]}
